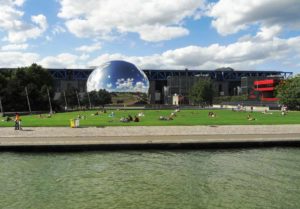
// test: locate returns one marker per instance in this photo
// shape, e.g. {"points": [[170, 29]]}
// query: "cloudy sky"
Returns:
{"points": [[160, 34]]}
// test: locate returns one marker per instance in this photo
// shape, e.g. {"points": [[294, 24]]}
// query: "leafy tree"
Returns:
{"points": [[288, 92], [35, 78], [202, 92]]}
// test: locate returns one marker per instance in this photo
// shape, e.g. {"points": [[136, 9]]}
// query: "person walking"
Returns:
{"points": [[17, 122]]}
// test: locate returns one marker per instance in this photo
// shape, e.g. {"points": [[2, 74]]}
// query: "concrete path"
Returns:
{"points": [[150, 135]]}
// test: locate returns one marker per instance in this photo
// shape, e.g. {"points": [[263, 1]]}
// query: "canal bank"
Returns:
{"points": [[149, 137]]}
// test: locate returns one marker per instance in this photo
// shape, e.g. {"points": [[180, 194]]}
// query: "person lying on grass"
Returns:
{"points": [[249, 117], [165, 118]]}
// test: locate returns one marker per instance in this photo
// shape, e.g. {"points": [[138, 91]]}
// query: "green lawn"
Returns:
{"points": [[184, 117]]}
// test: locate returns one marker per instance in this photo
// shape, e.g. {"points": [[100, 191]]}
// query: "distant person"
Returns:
{"points": [[17, 122], [212, 114], [267, 112], [283, 110], [130, 118], [136, 119], [173, 114], [141, 114], [162, 118], [124, 120], [111, 115], [177, 109], [7, 119], [249, 117]]}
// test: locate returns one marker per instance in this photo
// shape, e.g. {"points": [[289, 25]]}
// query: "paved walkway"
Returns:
{"points": [[149, 135]]}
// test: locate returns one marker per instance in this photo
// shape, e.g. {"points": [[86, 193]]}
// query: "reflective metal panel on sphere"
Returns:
{"points": [[120, 78]]}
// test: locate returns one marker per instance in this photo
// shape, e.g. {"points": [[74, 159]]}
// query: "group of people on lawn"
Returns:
{"points": [[136, 118]]}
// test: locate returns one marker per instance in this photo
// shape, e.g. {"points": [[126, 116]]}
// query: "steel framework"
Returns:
{"points": [[160, 75]]}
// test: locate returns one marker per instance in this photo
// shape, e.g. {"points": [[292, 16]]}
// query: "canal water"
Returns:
{"points": [[246, 178]]}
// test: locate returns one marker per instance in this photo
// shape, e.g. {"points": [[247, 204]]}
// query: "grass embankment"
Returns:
{"points": [[184, 117]]}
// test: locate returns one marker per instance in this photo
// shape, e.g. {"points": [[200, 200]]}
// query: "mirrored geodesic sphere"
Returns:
{"points": [[120, 78]]}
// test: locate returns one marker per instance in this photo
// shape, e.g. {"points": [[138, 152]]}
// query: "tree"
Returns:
{"points": [[35, 78], [202, 92], [288, 92]]}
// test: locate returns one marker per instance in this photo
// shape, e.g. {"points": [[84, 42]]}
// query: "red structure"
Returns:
{"points": [[266, 89]]}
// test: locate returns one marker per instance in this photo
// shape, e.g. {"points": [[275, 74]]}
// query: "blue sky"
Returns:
{"points": [[169, 34]]}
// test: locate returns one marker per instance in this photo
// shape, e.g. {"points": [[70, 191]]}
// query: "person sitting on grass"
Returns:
{"points": [[111, 115], [124, 120], [165, 118], [212, 114], [170, 118], [162, 118], [249, 117], [7, 119], [130, 118], [136, 119], [266, 112], [141, 114], [95, 114]]}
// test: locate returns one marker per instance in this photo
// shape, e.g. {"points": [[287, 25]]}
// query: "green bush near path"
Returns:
{"points": [[184, 117]]}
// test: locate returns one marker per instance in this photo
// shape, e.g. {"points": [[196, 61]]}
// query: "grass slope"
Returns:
{"points": [[184, 117]]}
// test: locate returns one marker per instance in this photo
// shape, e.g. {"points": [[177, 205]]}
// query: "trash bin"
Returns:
{"points": [[72, 123], [77, 123]]}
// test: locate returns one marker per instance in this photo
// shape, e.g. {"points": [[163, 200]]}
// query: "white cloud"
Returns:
{"points": [[64, 60], [153, 20], [26, 32], [17, 59], [14, 47], [10, 14], [244, 54], [17, 2], [89, 48], [231, 16], [160, 33], [18, 31], [84, 57]]}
